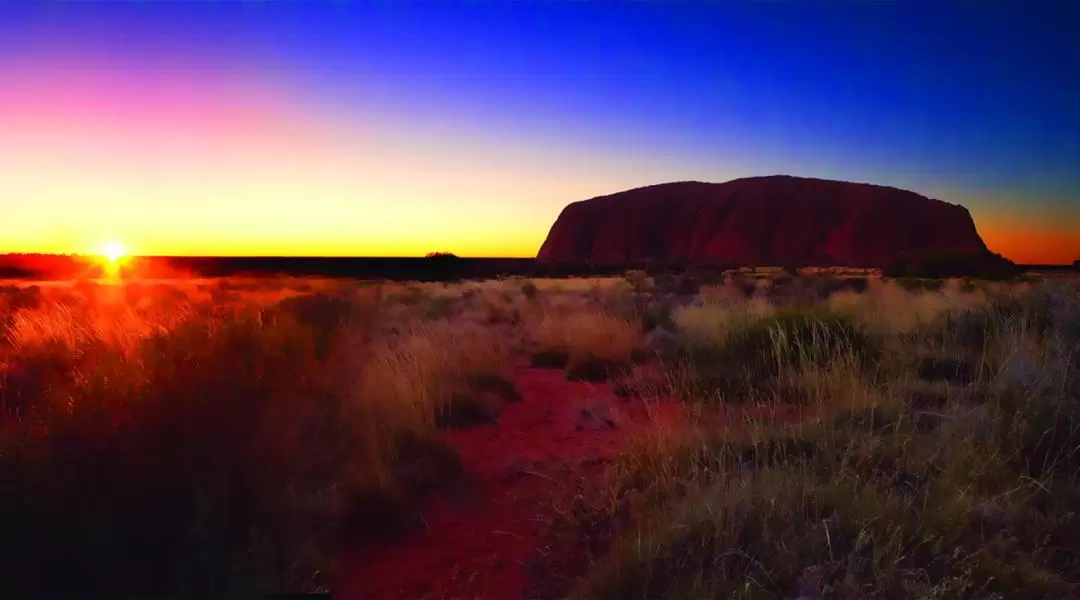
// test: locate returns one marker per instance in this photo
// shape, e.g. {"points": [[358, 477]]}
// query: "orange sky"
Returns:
{"points": [[1031, 239]]}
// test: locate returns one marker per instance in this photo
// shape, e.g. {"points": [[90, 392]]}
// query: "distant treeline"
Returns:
{"points": [[435, 267], [438, 267], [442, 267], [42, 266]]}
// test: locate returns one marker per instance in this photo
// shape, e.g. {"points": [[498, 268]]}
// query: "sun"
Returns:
{"points": [[113, 251]]}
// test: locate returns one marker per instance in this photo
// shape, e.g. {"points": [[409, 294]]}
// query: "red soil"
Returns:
{"points": [[482, 547]]}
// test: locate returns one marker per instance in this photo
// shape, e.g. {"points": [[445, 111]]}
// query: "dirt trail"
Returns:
{"points": [[482, 547]]}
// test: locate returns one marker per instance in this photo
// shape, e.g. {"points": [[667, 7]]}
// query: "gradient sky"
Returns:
{"points": [[403, 127]]}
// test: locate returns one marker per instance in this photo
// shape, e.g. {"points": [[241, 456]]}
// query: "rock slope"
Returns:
{"points": [[773, 220]]}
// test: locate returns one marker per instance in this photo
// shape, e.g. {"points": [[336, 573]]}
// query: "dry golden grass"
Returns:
{"points": [[895, 482], [300, 399], [890, 308], [73, 327], [299, 389], [410, 377], [714, 321], [596, 285], [586, 335]]}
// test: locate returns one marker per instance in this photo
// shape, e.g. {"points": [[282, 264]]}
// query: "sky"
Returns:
{"points": [[397, 128]]}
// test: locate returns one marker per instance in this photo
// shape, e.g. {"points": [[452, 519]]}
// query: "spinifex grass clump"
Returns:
{"points": [[754, 350], [187, 468], [590, 346], [331, 315], [441, 374], [222, 455], [975, 328], [878, 496]]}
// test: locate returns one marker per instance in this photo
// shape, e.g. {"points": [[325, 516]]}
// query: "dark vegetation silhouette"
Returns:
{"points": [[438, 267], [445, 266], [44, 266], [943, 265]]}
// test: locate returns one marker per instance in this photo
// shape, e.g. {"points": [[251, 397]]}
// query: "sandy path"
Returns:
{"points": [[481, 547]]}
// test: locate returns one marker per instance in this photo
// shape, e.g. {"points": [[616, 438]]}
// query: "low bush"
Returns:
{"points": [[937, 265], [330, 316], [580, 336], [218, 452], [212, 461], [755, 352], [894, 488]]}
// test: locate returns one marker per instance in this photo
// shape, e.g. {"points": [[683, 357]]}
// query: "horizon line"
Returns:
{"points": [[353, 256]]}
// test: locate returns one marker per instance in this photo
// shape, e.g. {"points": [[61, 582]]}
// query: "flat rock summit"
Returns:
{"points": [[772, 220]]}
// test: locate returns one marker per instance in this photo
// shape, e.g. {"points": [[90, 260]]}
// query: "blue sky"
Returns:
{"points": [[971, 102]]}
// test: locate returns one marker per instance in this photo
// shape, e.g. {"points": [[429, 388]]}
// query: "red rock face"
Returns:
{"points": [[775, 220]]}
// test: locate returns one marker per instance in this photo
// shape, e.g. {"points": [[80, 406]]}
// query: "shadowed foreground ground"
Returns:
{"points": [[751, 436]]}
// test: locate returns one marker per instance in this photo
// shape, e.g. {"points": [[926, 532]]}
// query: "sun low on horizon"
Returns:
{"points": [[112, 251], [322, 129]]}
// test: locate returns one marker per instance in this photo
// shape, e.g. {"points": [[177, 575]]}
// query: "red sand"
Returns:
{"points": [[481, 547]]}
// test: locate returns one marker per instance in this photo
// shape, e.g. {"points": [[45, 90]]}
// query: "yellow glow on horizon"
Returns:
{"points": [[211, 167], [113, 251], [215, 168], [113, 255]]}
